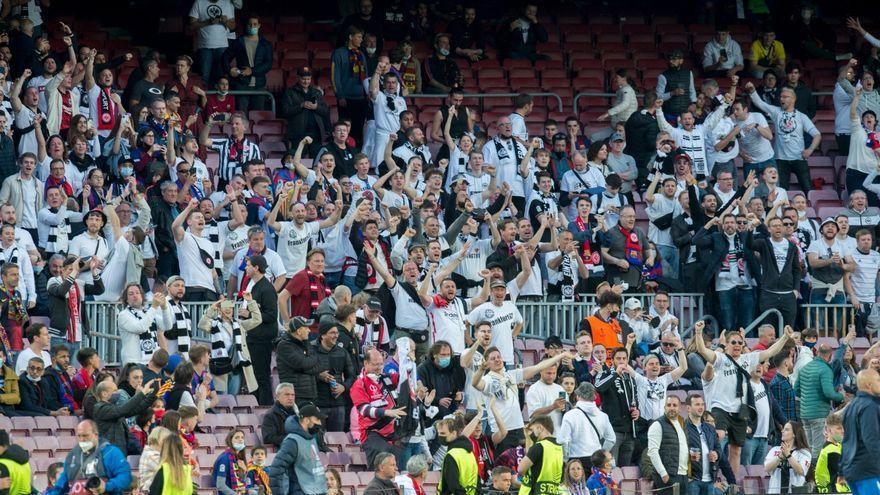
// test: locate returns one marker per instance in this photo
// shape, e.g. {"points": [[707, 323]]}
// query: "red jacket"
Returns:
{"points": [[371, 399]]}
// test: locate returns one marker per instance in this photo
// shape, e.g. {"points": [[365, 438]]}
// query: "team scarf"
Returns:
{"points": [[235, 482], [371, 272], [59, 235], [632, 247], [261, 202], [149, 341], [194, 191], [62, 183], [106, 110], [261, 477], [7, 347], [180, 328], [220, 345], [12, 256], [73, 301], [314, 289], [370, 332], [589, 257], [358, 64], [416, 485], [607, 481], [503, 153], [872, 142], [734, 257], [12, 298], [567, 269], [417, 151]]}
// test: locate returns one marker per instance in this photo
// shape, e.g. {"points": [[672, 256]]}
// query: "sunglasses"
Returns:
{"points": [[668, 344], [736, 342], [788, 224], [742, 223]]}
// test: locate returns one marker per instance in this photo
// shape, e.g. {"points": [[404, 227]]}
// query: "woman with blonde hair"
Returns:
{"points": [[151, 458], [174, 476]]}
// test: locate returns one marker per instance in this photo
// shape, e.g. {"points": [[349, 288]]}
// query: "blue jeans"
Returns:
{"points": [[410, 450], [233, 383], [332, 279], [737, 307], [210, 63], [669, 255], [821, 318], [753, 452], [758, 167], [867, 486], [696, 487]]}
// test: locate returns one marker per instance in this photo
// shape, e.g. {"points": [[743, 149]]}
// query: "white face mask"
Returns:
{"points": [[374, 376], [371, 50], [86, 446]]}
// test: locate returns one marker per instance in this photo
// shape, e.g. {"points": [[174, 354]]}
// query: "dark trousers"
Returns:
{"points": [[856, 180], [785, 303], [624, 447], [167, 264], [261, 361], [197, 294], [376, 443], [661, 488], [244, 103], [842, 143], [800, 169], [356, 111], [335, 418]]}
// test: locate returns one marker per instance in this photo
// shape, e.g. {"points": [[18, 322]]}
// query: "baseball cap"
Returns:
{"points": [[326, 326], [460, 178], [494, 264], [617, 137], [375, 304], [311, 411], [298, 322], [632, 303], [304, 72], [416, 245], [498, 283], [682, 154], [553, 341]]}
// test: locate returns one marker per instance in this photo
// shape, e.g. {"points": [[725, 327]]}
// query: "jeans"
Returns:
{"points": [[758, 167], [696, 487], [785, 303], [233, 383], [736, 307], [261, 361], [753, 451], [800, 169], [410, 449], [348, 281], [623, 448], [244, 103], [669, 256], [661, 488], [861, 319], [210, 64], [815, 430], [332, 279], [867, 486], [822, 317]]}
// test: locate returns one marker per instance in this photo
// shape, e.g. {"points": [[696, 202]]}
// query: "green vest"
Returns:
{"points": [[168, 488], [468, 472], [20, 476], [547, 481]]}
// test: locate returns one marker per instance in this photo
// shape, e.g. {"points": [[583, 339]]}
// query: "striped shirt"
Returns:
{"points": [[233, 155], [864, 278]]}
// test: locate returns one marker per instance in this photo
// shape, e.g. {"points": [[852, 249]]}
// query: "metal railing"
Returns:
{"points": [[489, 95], [545, 318], [599, 94], [831, 320], [760, 320], [250, 92]]}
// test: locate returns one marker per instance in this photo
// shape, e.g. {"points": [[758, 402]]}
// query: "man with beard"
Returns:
{"points": [[675, 87], [667, 433], [336, 376], [413, 147], [54, 222], [177, 336], [195, 254], [448, 313], [828, 261], [105, 106], [507, 154], [91, 242]]}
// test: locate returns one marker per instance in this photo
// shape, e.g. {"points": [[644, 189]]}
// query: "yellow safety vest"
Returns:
{"points": [[468, 472], [169, 489], [20, 477], [547, 481]]}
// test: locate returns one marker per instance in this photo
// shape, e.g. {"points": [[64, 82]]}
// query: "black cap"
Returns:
{"points": [[311, 411], [553, 341], [374, 303], [494, 264], [326, 326], [97, 213], [298, 322]]}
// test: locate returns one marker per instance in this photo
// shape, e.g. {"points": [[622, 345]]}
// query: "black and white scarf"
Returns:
{"points": [[566, 285], [10, 254], [734, 260], [212, 233], [417, 151], [220, 343], [148, 340], [503, 153], [59, 235], [180, 328]]}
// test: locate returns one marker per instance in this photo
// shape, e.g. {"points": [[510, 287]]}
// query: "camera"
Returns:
{"points": [[93, 483]]}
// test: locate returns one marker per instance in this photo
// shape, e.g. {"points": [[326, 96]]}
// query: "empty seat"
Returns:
{"points": [[225, 403], [22, 426]]}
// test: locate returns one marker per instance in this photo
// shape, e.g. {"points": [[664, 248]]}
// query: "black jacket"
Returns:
{"points": [[261, 66], [861, 444], [445, 381], [618, 395], [297, 365], [772, 279], [298, 117], [513, 40], [59, 309], [339, 364], [777, 417], [714, 247], [641, 138], [36, 397], [263, 293], [273, 424], [162, 220], [111, 418]]}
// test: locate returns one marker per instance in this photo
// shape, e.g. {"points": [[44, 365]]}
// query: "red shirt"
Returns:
{"points": [[301, 294], [215, 105], [66, 110]]}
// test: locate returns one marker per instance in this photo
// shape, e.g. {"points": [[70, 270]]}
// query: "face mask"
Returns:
{"points": [[810, 345], [34, 380], [371, 50], [444, 52], [533, 438], [374, 376], [126, 172], [314, 429], [259, 463], [444, 440], [444, 361], [238, 447], [252, 31], [86, 446], [222, 93], [615, 314], [837, 438]]}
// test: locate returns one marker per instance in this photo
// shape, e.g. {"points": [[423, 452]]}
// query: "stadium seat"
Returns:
{"points": [[245, 404]]}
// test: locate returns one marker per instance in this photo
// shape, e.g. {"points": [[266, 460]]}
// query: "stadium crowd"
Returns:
{"points": [[368, 286]]}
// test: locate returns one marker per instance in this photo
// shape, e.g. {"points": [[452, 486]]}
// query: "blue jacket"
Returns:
{"points": [[116, 468], [861, 440]]}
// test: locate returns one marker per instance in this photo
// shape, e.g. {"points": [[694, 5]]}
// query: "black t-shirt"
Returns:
{"points": [[146, 92]]}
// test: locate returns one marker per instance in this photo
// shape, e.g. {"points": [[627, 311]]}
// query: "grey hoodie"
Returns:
{"points": [[297, 469]]}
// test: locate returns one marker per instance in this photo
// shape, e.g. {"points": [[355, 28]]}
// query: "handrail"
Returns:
{"points": [[711, 319], [487, 95], [249, 92], [760, 319], [587, 94]]}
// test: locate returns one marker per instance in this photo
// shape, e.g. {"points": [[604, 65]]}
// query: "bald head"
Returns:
{"points": [[824, 351], [867, 380]]}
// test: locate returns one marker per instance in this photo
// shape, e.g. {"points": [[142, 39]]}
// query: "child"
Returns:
{"points": [[258, 472], [52, 474], [828, 475], [601, 481]]}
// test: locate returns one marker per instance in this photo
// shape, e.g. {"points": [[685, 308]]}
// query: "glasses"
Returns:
{"points": [[35, 368], [742, 222], [736, 342], [504, 124], [668, 344], [343, 184], [788, 224]]}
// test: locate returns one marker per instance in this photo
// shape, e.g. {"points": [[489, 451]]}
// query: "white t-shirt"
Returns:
{"points": [[275, 267], [864, 278], [519, 130], [801, 456], [652, 395], [192, 268], [506, 392], [24, 119], [84, 245], [756, 146], [215, 35], [762, 405], [780, 251], [541, 395], [472, 396], [577, 181], [409, 313], [21, 362], [113, 274], [391, 198], [293, 244], [723, 393], [232, 240], [29, 204], [503, 318], [821, 249], [448, 323]]}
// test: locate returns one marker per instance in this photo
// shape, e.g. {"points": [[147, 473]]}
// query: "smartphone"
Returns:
{"points": [[724, 53], [478, 213], [561, 395], [84, 261]]}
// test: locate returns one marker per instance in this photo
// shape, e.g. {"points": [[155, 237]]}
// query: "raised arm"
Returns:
{"points": [[15, 96], [382, 271], [707, 354], [447, 126], [533, 370], [682, 364], [177, 225]]}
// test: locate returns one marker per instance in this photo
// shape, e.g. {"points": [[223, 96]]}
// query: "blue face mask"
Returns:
{"points": [[810, 345], [126, 172], [445, 361], [252, 31], [444, 52]]}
